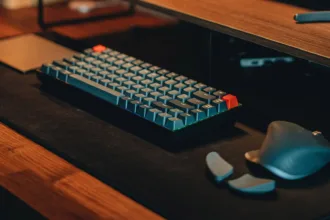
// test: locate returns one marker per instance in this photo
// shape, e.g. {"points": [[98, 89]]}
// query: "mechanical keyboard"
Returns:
{"points": [[165, 98]]}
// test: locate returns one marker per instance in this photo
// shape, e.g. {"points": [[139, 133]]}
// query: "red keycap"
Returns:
{"points": [[99, 48], [230, 100]]}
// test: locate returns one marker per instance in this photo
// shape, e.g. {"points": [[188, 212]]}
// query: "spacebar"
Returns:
{"points": [[94, 88]]}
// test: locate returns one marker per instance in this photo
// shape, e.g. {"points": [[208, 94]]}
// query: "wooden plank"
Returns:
{"points": [[265, 22], [57, 189], [6, 30], [25, 20]]}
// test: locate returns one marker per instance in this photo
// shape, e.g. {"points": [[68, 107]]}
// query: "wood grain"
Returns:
{"points": [[265, 22], [6, 30], [57, 189], [25, 19]]}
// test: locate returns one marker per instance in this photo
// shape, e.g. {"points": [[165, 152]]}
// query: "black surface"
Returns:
{"points": [[173, 184]]}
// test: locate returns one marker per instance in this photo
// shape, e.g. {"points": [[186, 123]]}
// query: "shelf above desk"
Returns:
{"points": [[264, 22]]}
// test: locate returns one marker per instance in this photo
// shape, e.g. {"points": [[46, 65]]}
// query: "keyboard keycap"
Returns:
{"points": [[161, 118], [79, 56], [120, 80], [162, 72], [138, 97], [209, 109], [120, 72], [195, 102], [121, 89], [146, 91], [53, 71], [89, 60], [104, 66], [161, 79], [155, 86], [204, 96], [209, 90], [104, 82], [152, 76], [94, 88], [142, 110], [71, 60], [154, 68], [62, 64], [198, 114], [219, 94], [99, 48], [88, 75], [164, 99], [170, 83], [161, 106], [182, 97], [174, 123], [103, 73], [88, 67], [148, 100], [129, 84], [103, 57], [171, 75], [155, 95], [137, 79], [45, 68], [190, 82], [127, 66], [96, 70], [111, 77], [173, 93], [137, 87], [180, 105], [129, 75], [231, 101], [187, 119], [199, 86], [152, 113], [175, 112], [129, 59], [220, 105], [163, 90], [146, 65], [123, 101], [111, 60], [121, 56], [113, 85], [96, 78], [143, 73], [81, 71], [63, 75], [132, 105], [137, 62], [181, 78], [135, 69], [97, 63], [189, 90], [130, 93], [112, 69], [146, 82], [180, 86]]}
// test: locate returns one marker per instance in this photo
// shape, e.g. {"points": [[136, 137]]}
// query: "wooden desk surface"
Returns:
{"points": [[265, 22], [57, 189]]}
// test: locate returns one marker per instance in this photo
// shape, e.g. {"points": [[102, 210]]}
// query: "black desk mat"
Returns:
{"points": [[173, 184]]}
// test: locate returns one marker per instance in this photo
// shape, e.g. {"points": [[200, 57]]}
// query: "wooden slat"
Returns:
{"points": [[57, 189], [265, 22]]}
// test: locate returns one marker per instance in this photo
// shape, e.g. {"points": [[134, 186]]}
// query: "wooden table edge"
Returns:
{"points": [[56, 188]]}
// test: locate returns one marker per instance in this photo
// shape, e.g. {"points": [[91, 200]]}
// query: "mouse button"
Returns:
{"points": [[250, 184]]}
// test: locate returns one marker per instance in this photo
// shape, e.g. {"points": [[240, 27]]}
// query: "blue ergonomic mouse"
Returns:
{"points": [[291, 151]]}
